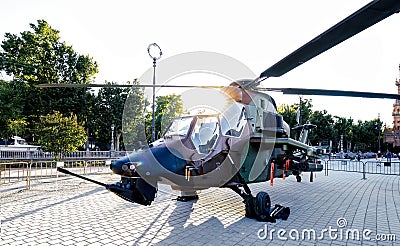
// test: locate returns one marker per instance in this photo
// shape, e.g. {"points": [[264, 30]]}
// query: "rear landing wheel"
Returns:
{"points": [[298, 178]]}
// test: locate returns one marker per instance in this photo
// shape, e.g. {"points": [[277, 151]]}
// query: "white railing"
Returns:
{"points": [[386, 167], [11, 172], [28, 155]]}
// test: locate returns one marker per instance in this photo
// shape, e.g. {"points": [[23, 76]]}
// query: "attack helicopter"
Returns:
{"points": [[247, 142]]}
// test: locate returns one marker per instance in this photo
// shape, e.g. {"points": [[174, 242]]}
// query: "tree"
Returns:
{"points": [[365, 135], [134, 119], [60, 134], [39, 56], [359, 135], [342, 126], [324, 130], [109, 107], [167, 108], [12, 98], [17, 126]]}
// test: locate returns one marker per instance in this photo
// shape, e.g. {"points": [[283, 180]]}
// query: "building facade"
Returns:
{"points": [[391, 136]]}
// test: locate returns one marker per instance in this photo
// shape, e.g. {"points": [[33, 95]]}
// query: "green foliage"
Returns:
{"points": [[109, 107], [133, 122], [366, 130], [167, 108], [12, 98], [324, 130], [39, 56], [343, 126], [17, 126], [60, 134], [360, 136]]}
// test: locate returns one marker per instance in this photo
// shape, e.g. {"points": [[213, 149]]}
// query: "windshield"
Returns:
{"points": [[179, 126]]}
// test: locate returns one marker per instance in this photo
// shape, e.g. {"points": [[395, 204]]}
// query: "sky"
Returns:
{"points": [[257, 33]]}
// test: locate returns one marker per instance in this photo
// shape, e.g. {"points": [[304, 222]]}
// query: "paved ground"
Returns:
{"points": [[74, 212]]}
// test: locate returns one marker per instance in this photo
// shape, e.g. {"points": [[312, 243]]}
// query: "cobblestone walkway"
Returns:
{"points": [[69, 211]]}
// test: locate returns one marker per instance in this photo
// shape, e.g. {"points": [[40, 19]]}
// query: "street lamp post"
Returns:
{"points": [[379, 133], [88, 144], [341, 146], [155, 53], [384, 136], [112, 137]]}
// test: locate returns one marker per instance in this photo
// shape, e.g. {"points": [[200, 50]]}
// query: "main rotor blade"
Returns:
{"points": [[320, 92], [360, 20], [124, 85]]}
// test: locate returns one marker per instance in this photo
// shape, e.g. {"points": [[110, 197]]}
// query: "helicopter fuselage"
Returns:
{"points": [[239, 145]]}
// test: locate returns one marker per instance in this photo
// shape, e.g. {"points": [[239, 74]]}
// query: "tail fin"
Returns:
{"points": [[304, 131]]}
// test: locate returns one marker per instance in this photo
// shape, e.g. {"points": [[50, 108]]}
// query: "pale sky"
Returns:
{"points": [[257, 33]]}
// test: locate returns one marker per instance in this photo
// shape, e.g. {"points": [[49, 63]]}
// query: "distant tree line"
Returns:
{"points": [[357, 136]]}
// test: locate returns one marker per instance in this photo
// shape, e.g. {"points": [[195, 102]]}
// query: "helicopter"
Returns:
{"points": [[247, 142]]}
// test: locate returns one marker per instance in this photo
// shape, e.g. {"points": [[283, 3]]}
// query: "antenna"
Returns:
{"points": [[299, 113], [298, 117]]}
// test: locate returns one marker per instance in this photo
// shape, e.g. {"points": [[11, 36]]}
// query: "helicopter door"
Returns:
{"points": [[205, 133]]}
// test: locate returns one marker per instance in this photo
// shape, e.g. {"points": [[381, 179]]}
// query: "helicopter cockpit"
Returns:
{"points": [[203, 131], [198, 132]]}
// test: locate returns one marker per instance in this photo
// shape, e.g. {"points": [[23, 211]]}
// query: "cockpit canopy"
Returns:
{"points": [[204, 130]]}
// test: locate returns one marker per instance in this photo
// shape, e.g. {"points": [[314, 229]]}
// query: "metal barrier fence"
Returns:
{"points": [[17, 171], [79, 155], [27, 171], [364, 167]]}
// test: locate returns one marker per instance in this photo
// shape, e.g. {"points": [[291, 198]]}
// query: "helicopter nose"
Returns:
{"points": [[123, 166], [150, 164]]}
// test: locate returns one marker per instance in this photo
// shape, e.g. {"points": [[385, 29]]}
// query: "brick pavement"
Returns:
{"points": [[74, 212]]}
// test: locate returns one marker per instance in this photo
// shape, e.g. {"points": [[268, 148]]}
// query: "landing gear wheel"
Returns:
{"points": [[263, 203], [298, 178], [262, 207], [259, 207]]}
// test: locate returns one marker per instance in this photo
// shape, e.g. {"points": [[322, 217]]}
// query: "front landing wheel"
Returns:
{"points": [[263, 206], [259, 207]]}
